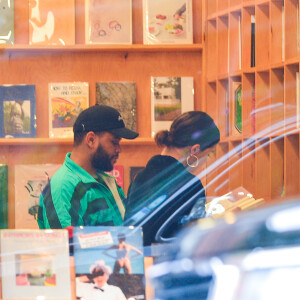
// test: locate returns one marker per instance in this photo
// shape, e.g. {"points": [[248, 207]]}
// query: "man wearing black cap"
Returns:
{"points": [[80, 192]]}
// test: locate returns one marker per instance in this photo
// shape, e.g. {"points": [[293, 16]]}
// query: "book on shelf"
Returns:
{"points": [[252, 63], [118, 173], [108, 22], [52, 22], [170, 97], [35, 264], [3, 196], [236, 108], [7, 22], [109, 261], [133, 171], [17, 111], [121, 96], [30, 181], [66, 101], [167, 22]]}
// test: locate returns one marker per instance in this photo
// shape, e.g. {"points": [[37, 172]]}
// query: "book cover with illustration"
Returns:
{"points": [[66, 101], [31, 267], [118, 173], [7, 30], [109, 261], [52, 22], [3, 196], [17, 111], [121, 96], [30, 180], [170, 97], [167, 22], [108, 22]]}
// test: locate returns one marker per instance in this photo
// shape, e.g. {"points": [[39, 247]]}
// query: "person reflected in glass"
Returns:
{"points": [[169, 180]]}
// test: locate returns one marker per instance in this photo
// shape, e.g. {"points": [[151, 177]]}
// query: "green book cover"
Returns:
{"points": [[6, 21], [238, 108], [3, 196]]}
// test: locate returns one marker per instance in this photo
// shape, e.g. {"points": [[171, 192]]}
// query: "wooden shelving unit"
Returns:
{"points": [[22, 63], [269, 163]]}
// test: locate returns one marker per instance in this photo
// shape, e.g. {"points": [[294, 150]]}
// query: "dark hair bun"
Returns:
{"points": [[162, 138]]}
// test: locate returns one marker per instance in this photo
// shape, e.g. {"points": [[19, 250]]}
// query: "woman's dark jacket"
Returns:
{"points": [[163, 177]]}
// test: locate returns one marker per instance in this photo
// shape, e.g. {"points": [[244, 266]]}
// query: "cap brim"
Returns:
{"points": [[124, 133]]}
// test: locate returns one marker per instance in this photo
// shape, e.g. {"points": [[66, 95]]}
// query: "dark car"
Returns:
{"points": [[251, 255]]}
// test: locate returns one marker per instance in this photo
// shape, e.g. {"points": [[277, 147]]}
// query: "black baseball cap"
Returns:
{"points": [[99, 118]]}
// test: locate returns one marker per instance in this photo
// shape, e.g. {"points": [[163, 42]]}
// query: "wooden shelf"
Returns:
{"points": [[102, 48], [67, 141]]}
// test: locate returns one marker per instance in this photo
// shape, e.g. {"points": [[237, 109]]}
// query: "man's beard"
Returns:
{"points": [[102, 161]]}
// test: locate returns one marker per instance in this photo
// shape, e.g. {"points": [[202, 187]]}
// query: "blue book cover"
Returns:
{"points": [[17, 111], [6, 21], [109, 262]]}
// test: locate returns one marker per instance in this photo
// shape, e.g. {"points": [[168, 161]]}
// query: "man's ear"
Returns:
{"points": [[90, 139], [195, 149]]}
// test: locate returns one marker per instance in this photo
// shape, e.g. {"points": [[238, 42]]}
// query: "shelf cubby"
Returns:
{"points": [[262, 103], [277, 31], [248, 102], [262, 33], [235, 169], [290, 96], [211, 99], [277, 166], [234, 3], [223, 107], [211, 48], [235, 41], [291, 170], [222, 5], [291, 21], [262, 176], [220, 178], [211, 6], [248, 165], [277, 100], [222, 42], [247, 12]]}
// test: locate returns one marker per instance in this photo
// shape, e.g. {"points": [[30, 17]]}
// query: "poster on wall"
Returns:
{"points": [[52, 22], [167, 22], [30, 180], [7, 22], [32, 267], [170, 97], [17, 111], [66, 101], [108, 22], [109, 262], [122, 97]]}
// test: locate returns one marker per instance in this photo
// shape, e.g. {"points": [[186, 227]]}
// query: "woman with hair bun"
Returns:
{"points": [[169, 180]]}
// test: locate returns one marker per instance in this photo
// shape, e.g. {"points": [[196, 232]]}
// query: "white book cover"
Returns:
{"points": [[66, 101], [108, 22], [30, 180], [35, 264], [170, 97], [167, 22]]}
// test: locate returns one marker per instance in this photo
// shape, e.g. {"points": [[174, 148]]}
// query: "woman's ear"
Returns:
{"points": [[195, 149]]}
